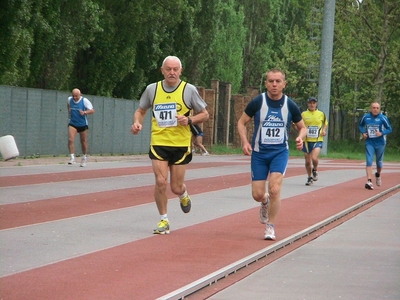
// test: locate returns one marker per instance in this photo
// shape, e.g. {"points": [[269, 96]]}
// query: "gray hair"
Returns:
{"points": [[172, 58]]}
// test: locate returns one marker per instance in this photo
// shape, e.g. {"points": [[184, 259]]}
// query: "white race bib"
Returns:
{"points": [[272, 132], [312, 131], [165, 114], [372, 130]]}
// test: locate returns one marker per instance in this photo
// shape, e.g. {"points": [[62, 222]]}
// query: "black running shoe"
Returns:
{"points": [[314, 175], [369, 185]]}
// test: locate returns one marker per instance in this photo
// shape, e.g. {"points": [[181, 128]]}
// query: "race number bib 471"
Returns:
{"points": [[165, 114], [272, 132]]}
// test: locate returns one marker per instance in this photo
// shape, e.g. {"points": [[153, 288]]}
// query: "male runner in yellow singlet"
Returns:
{"points": [[171, 101], [316, 123]]}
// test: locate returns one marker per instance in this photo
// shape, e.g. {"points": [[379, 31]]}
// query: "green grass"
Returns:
{"points": [[221, 150], [336, 149]]}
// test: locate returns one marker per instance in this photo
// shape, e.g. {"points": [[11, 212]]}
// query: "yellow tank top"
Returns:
{"points": [[165, 130], [314, 122]]}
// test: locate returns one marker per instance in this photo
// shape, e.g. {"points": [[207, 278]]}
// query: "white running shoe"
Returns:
{"points": [[264, 218], [378, 179], [269, 233], [83, 162], [205, 153], [71, 161]]}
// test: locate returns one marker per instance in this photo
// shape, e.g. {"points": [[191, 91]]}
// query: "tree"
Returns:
{"points": [[227, 46], [16, 39], [373, 24], [61, 29], [366, 44]]}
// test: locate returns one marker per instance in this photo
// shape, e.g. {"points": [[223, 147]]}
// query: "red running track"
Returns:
{"points": [[157, 265]]}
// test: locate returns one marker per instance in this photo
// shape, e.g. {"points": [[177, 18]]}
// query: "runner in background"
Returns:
{"points": [[78, 108], [197, 139], [316, 123], [374, 126]]}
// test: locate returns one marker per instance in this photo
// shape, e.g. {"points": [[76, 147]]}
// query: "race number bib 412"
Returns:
{"points": [[272, 132], [165, 114]]}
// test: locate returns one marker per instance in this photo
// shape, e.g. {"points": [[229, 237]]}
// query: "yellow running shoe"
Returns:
{"points": [[186, 204], [162, 227]]}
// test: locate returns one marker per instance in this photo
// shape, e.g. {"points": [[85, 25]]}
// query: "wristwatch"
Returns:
{"points": [[189, 121]]}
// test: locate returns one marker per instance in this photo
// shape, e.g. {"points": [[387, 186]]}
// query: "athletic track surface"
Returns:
{"points": [[86, 233]]}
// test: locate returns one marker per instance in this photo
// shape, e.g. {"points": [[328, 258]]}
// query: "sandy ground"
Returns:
{"points": [[60, 160]]}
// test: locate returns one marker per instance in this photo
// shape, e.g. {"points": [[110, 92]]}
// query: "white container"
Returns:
{"points": [[8, 147]]}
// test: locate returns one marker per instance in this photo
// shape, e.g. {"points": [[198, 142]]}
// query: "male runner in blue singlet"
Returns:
{"points": [[78, 108], [374, 127], [273, 113]]}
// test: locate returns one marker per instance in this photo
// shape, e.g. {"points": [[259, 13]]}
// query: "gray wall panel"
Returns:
{"points": [[33, 121], [128, 117], [5, 117], [96, 125], [38, 121], [108, 126], [48, 122], [19, 115], [61, 124], [120, 132]]}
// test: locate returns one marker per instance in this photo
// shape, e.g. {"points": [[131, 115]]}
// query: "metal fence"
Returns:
{"points": [[38, 121]]}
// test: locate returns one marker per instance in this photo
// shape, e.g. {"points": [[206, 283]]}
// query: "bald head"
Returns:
{"points": [[375, 108], [76, 94]]}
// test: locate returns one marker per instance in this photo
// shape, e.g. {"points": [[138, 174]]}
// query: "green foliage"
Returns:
{"points": [[16, 39], [115, 48], [260, 45], [61, 29], [227, 58]]}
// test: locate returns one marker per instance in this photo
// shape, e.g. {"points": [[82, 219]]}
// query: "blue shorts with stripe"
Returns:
{"points": [[308, 147], [268, 162]]}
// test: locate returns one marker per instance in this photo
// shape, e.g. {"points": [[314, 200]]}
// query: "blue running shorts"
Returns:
{"points": [[378, 151], [308, 147], [269, 162]]}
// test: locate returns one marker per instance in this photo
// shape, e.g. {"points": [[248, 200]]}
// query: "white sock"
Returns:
{"points": [[72, 156], [164, 217], [84, 156], [183, 195]]}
